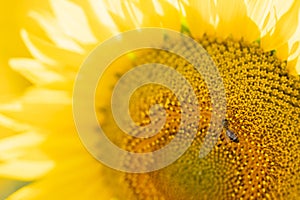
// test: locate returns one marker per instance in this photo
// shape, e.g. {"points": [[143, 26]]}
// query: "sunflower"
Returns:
{"points": [[255, 46]]}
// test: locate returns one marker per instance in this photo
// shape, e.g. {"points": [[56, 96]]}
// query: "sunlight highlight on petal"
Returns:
{"points": [[25, 170], [103, 17], [100, 22], [258, 10], [293, 66], [44, 96], [284, 29], [295, 50], [49, 53], [17, 162], [121, 14], [12, 124], [42, 108], [35, 71], [54, 32], [73, 21], [19, 141], [31, 43]]}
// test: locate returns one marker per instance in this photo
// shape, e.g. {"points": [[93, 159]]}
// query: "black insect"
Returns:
{"points": [[229, 133]]}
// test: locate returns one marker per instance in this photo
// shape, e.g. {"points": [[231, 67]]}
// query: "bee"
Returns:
{"points": [[230, 134]]}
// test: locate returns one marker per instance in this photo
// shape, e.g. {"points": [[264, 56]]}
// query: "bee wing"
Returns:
{"points": [[232, 136]]}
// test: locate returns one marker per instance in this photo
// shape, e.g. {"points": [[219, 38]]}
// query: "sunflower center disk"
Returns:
{"points": [[262, 112]]}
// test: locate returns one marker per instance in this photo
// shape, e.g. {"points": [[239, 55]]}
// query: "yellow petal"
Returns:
{"points": [[281, 7], [100, 22], [69, 145], [12, 83], [54, 32], [11, 17], [65, 175], [129, 15], [73, 21], [294, 50], [12, 124], [170, 17], [234, 20], [122, 15], [101, 12], [25, 170], [266, 27], [20, 140], [283, 52], [200, 16], [157, 13], [284, 29], [293, 66], [276, 10], [259, 10], [298, 67], [35, 71], [49, 53], [47, 97], [19, 163], [55, 106], [21, 147]]}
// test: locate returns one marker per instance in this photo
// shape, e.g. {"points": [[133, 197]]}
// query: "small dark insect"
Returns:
{"points": [[229, 133], [232, 136]]}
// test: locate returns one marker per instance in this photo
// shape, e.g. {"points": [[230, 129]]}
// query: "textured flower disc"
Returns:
{"points": [[263, 112]]}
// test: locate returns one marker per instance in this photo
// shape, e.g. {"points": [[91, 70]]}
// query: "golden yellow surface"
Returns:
{"points": [[262, 110], [263, 103]]}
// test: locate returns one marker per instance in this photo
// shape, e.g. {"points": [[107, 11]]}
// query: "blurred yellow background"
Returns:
{"points": [[13, 16]]}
